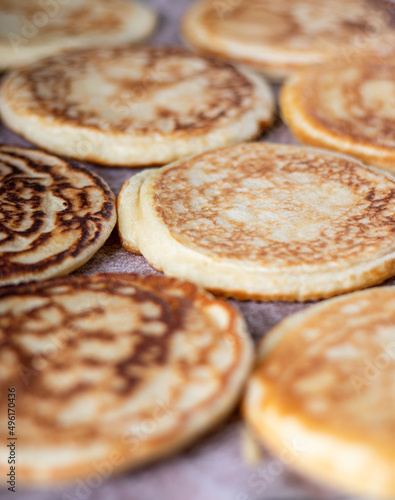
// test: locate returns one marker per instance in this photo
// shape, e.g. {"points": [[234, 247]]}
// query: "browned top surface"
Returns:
{"points": [[353, 102], [298, 25], [50, 212], [141, 91], [91, 358], [278, 205], [335, 369]]}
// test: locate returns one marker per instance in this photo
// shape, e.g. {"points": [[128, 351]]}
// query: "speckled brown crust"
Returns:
{"points": [[264, 221], [115, 366], [325, 381], [279, 36], [49, 84], [346, 108], [269, 183], [53, 215]]}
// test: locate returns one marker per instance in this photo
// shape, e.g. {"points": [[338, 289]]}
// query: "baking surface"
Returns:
{"points": [[213, 468]]}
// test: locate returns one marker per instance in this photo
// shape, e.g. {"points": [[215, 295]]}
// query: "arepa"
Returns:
{"points": [[264, 221], [33, 29], [54, 216], [132, 107], [345, 107], [324, 387], [113, 371], [280, 36]]}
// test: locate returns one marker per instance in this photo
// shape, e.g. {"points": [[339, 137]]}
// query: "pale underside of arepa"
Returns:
{"points": [[264, 221]]}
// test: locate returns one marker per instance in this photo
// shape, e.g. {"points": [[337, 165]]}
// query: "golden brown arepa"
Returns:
{"points": [[33, 29], [113, 371], [280, 36], [131, 107], [264, 221], [54, 216], [321, 396], [345, 107]]}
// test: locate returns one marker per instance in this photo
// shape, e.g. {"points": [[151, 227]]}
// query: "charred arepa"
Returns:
{"points": [[324, 385], [280, 36], [345, 107], [132, 107], [113, 371], [264, 221], [54, 216], [33, 29]]}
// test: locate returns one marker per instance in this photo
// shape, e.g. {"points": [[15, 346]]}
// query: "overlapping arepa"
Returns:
{"points": [[280, 36], [113, 371], [131, 107], [33, 29], [264, 221], [345, 107], [322, 394], [54, 216]]}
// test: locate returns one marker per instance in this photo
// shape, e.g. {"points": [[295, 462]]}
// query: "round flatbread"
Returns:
{"points": [[113, 371], [33, 29], [279, 36], [132, 107], [321, 396], [264, 221], [54, 216], [348, 108]]}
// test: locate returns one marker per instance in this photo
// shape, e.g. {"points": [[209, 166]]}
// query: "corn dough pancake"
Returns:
{"points": [[324, 381], [264, 221], [347, 108], [33, 29], [280, 36], [115, 370], [132, 107], [54, 216]]}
